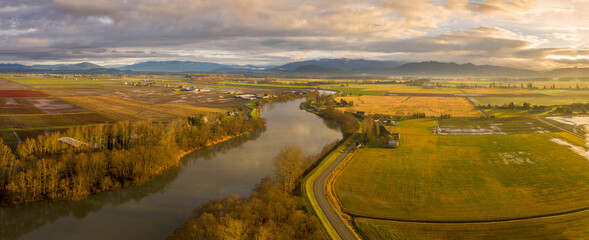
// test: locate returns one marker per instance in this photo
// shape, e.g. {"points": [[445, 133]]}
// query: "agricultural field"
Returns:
{"points": [[480, 94], [462, 186], [511, 125], [497, 91], [35, 104], [126, 109], [21, 93], [409, 105], [48, 121], [286, 85], [570, 226], [43, 82], [380, 89], [541, 97]]}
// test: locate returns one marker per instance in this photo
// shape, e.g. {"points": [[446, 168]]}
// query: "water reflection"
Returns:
{"points": [[18, 220], [156, 209]]}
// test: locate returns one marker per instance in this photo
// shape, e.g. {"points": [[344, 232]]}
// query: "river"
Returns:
{"points": [[155, 209]]}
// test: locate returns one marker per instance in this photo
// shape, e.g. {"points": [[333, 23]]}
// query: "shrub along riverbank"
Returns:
{"points": [[273, 211]]}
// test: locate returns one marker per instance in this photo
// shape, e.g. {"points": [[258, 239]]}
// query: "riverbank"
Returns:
{"points": [[109, 157], [161, 205]]}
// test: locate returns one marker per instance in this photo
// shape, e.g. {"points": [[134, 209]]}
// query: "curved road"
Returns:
{"points": [[319, 190]]}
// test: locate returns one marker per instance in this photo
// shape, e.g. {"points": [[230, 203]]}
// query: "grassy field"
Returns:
{"points": [[511, 125], [407, 106], [67, 80], [448, 178], [357, 91], [32, 105], [497, 91], [548, 97], [401, 88], [379, 89], [572, 226], [130, 110], [467, 178], [266, 85]]}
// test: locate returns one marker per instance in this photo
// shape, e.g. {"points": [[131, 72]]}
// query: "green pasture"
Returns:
{"points": [[570, 226], [463, 178], [351, 91], [548, 97], [508, 125], [266, 85]]}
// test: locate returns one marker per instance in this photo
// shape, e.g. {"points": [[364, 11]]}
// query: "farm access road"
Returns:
{"points": [[319, 190]]}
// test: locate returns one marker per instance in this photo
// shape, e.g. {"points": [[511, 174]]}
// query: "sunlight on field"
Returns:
{"points": [[497, 91], [463, 178], [43, 80], [129, 110], [570, 226], [547, 97], [401, 88], [407, 106]]}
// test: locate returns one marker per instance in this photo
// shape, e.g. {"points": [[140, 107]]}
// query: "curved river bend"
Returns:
{"points": [[156, 209]]}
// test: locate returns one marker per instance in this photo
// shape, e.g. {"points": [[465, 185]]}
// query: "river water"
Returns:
{"points": [[155, 209]]}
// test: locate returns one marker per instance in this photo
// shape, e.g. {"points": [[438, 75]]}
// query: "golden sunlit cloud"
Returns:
{"points": [[265, 31]]}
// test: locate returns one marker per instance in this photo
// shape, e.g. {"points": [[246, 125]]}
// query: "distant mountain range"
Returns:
{"points": [[451, 69], [342, 66], [188, 66], [174, 66], [345, 64], [79, 67]]}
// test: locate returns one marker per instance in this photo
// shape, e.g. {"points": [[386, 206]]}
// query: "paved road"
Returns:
{"points": [[319, 190]]}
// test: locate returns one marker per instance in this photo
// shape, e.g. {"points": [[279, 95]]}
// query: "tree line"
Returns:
{"points": [[111, 156], [346, 121]]}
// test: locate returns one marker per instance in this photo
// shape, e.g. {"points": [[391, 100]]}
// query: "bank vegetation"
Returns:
{"points": [[273, 211], [106, 157]]}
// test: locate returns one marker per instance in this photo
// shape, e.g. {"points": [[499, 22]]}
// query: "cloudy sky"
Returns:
{"points": [[542, 34]]}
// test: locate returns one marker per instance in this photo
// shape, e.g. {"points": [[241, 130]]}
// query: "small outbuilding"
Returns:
{"points": [[72, 142]]}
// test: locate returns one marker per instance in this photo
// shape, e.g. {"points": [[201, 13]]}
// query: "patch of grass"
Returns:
{"points": [[574, 139], [550, 97], [463, 178], [504, 113], [497, 91], [506, 125], [352, 91], [255, 113], [571, 226], [267, 85], [36, 80]]}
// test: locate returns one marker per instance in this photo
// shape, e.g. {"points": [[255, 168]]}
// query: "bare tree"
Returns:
{"points": [[289, 165]]}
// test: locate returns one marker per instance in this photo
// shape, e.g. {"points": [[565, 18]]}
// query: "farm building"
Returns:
{"points": [[393, 143], [392, 140], [72, 142], [246, 96]]}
